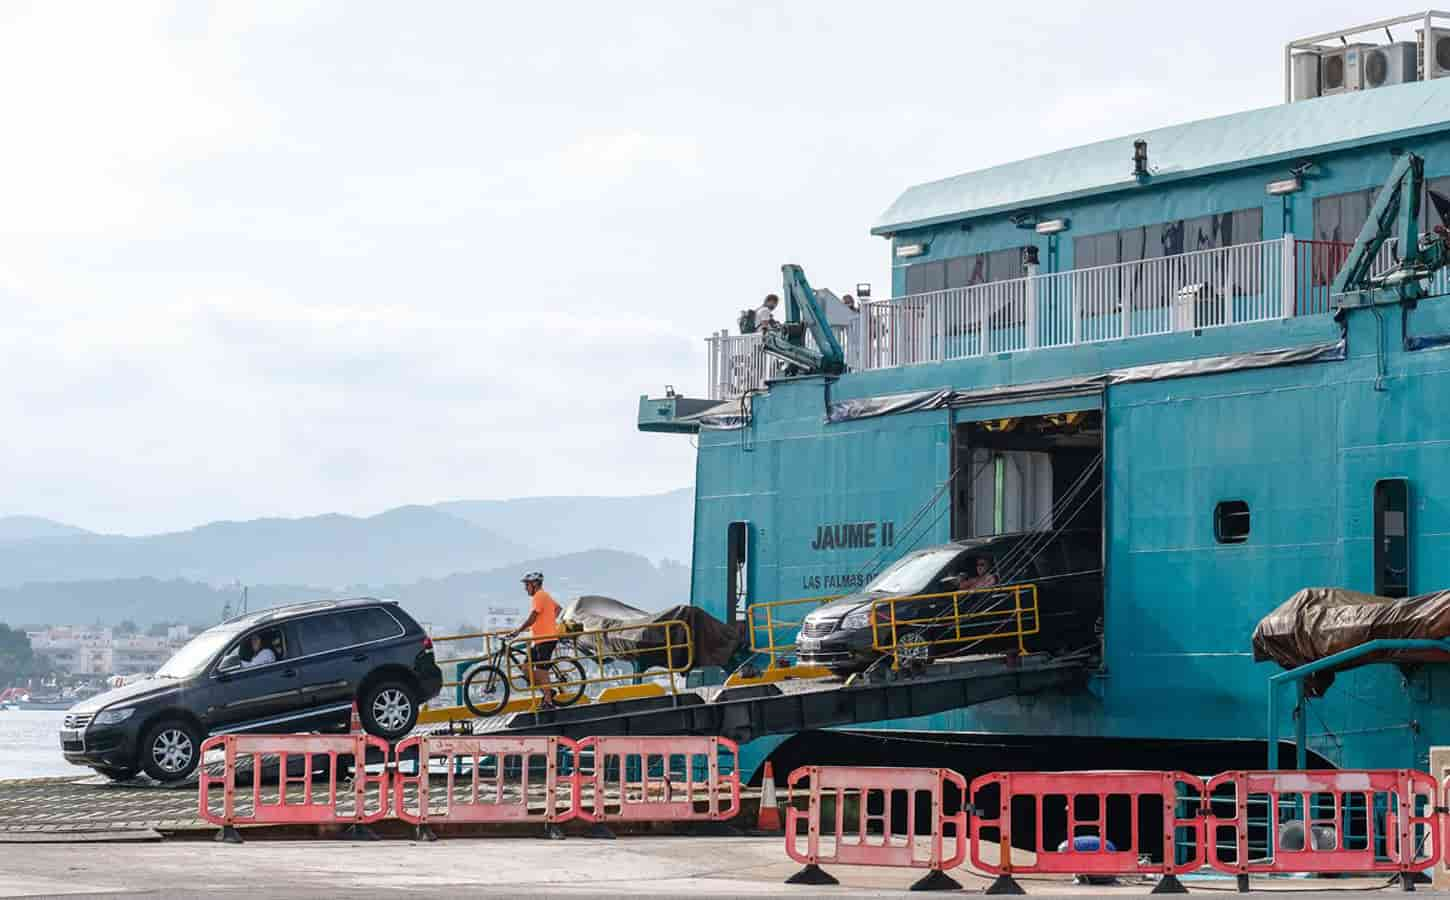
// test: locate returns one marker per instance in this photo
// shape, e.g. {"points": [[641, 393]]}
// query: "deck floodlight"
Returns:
{"points": [[1051, 226], [863, 290], [1284, 186], [1140, 158], [906, 251]]}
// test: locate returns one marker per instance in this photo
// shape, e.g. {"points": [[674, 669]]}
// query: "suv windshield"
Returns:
{"points": [[194, 656], [913, 574]]}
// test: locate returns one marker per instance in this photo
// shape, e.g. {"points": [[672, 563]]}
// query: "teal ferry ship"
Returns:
{"points": [[1223, 345]]}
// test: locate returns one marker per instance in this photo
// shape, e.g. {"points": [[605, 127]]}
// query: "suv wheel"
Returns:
{"points": [[388, 710], [171, 750]]}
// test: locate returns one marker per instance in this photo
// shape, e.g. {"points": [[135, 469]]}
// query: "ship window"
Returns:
{"points": [[1435, 210], [923, 278], [964, 271], [1242, 226], [1231, 522], [1339, 217]]}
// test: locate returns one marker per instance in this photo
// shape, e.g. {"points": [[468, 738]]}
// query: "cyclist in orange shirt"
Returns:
{"points": [[543, 625]]}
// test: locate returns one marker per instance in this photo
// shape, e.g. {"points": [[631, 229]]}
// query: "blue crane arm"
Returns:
{"points": [[803, 308], [1395, 214]]}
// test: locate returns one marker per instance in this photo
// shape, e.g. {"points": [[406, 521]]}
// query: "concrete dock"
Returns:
{"points": [[628, 867]]}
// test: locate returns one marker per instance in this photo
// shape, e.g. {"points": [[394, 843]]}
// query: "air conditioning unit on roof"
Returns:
{"points": [[1439, 52], [1391, 64], [1342, 69]]}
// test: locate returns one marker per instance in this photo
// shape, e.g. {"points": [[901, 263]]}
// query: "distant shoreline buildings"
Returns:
{"points": [[99, 651]]}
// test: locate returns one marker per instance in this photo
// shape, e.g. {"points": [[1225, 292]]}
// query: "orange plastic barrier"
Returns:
{"points": [[1088, 823], [1332, 820], [485, 779], [657, 779], [876, 793], [296, 799]]}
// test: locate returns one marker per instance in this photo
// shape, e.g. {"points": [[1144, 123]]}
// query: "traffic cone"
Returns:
{"points": [[769, 818], [356, 726]]}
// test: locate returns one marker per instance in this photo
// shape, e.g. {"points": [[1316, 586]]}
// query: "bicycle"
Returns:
{"points": [[487, 686]]}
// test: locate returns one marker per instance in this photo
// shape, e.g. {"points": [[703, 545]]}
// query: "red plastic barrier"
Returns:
{"points": [[294, 799], [872, 789], [485, 779], [1143, 822], [1343, 820], [657, 779]]}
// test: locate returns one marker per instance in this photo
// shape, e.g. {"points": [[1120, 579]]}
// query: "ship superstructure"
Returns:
{"points": [[1144, 336]]}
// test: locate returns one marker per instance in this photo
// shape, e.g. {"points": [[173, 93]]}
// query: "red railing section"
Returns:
{"points": [[300, 759], [1088, 823], [658, 779], [485, 779], [851, 818]]}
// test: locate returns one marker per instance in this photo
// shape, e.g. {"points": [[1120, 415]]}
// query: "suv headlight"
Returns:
{"points": [[113, 716], [861, 618]]}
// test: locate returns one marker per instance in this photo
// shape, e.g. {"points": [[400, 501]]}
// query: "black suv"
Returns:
{"points": [[292, 668], [1064, 566]]}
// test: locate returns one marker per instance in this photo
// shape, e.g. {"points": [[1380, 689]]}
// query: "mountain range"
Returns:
{"points": [[457, 599], [439, 555]]}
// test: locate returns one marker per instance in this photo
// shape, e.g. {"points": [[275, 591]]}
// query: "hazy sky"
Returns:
{"points": [[283, 259]]}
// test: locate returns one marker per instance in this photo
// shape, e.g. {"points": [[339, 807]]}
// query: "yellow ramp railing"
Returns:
{"points": [[766, 619], [956, 618]]}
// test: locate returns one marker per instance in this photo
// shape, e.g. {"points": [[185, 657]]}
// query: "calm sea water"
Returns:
{"points": [[29, 747]]}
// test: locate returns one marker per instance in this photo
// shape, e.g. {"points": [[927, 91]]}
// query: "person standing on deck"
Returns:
{"points": [[543, 625], [765, 314]]}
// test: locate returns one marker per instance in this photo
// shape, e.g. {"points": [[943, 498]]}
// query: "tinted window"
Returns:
{"points": [[1340, 217], [318, 634], [925, 277], [371, 625], [1231, 522], [1242, 226]]}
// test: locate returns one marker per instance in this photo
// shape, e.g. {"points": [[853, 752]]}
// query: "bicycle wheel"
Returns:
{"points": [[569, 673], [485, 691]]}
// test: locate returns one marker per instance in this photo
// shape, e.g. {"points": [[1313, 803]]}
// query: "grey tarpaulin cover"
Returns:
{"points": [[940, 398], [1319, 622], [714, 641]]}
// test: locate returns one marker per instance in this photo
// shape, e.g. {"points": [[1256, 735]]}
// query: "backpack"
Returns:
{"points": [[746, 321]]}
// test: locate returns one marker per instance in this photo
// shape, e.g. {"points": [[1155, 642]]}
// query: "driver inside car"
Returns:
{"points": [[261, 653]]}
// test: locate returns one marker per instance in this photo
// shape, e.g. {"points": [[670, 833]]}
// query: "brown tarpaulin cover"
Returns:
{"points": [[1319, 622], [714, 641]]}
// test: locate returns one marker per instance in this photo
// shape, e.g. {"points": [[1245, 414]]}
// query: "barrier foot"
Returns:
{"points": [[936, 880], [1005, 884], [599, 831], [1169, 884], [1243, 882], [1408, 880], [359, 833], [423, 833], [812, 874], [228, 835], [553, 832]]}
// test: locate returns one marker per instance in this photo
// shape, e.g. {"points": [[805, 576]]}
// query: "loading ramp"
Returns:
{"points": [[745, 713]]}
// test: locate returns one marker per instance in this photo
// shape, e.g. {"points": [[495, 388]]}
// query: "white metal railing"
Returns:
{"points": [[738, 362], [1252, 282], [1202, 289]]}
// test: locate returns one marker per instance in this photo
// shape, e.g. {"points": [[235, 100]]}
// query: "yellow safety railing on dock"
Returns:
{"points": [[676, 653], [964, 620], [763, 620]]}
